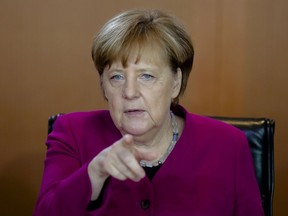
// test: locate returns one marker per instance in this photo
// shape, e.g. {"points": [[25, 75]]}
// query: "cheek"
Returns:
{"points": [[111, 94], [159, 98], [159, 103], [115, 109], [115, 103], [164, 93]]}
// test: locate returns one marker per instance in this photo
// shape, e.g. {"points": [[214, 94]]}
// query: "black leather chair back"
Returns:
{"points": [[51, 121], [260, 134]]}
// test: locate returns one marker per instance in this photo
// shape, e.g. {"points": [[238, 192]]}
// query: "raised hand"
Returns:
{"points": [[120, 160]]}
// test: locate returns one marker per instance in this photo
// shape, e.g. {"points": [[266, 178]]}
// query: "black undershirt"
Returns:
{"points": [[151, 171]]}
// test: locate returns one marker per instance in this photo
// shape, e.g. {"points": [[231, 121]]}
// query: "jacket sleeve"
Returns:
{"points": [[248, 198], [65, 188]]}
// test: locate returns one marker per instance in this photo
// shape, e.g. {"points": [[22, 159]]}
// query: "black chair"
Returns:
{"points": [[260, 135]]}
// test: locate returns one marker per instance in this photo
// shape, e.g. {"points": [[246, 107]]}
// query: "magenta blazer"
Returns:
{"points": [[209, 172]]}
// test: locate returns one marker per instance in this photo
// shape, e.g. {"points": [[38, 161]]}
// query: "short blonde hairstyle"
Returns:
{"points": [[136, 29]]}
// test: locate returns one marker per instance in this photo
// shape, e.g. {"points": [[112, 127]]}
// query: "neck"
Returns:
{"points": [[167, 150], [157, 140]]}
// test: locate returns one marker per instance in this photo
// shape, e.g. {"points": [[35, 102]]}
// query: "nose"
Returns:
{"points": [[130, 90]]}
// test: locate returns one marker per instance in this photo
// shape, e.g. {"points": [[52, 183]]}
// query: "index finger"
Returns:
{"points": [[139, 155]]}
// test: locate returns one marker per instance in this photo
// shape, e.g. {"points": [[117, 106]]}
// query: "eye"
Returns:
{"points": [[117, 77], [147, 77]]}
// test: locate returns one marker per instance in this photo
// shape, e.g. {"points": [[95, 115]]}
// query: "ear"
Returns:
{"points": [[177, 83], [102, 87]]}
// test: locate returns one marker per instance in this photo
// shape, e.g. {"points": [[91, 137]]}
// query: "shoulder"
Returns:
{"points": [[205, 123], [84, 115], [78, 121], [212, 126], [203, 128], [85, 129]]}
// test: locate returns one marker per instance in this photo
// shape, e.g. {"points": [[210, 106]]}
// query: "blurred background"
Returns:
{"points": [[241, 69]]}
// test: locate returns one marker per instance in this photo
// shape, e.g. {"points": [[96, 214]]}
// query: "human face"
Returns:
{"points": [[139, 95]]}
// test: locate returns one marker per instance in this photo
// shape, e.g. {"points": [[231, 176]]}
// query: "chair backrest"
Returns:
{"points": [[260, 135], [51, 121]]}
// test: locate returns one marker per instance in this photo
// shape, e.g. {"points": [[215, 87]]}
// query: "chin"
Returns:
{"points": [[135, 131]]}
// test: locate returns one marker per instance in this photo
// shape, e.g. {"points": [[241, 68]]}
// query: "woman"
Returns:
{"points": [[147, 155]]}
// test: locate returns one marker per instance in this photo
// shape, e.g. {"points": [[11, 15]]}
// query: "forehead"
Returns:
{"points": [[151, 53]]}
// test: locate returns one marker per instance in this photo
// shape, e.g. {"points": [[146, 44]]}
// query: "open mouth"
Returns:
{"points": [[134, 111]]}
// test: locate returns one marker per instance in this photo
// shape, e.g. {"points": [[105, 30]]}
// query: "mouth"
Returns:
{"points": [[134, 112]]}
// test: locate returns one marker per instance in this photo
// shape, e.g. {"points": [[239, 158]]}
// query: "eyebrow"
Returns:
{"points": [[140, 70], [110, 70], [145, 69]]}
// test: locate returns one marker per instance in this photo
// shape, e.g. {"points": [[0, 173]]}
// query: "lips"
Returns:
{"points": [[134, 112]]}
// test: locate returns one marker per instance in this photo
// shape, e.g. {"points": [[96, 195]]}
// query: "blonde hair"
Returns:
{"points": [[136, 29]]}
